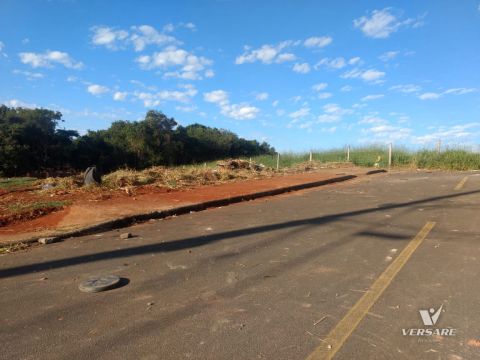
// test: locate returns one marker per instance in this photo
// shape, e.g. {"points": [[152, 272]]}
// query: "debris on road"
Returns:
{"points": [[125, 236], [48, 240], [99, 283]]}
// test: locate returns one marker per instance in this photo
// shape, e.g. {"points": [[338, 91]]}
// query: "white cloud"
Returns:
{"points": [[355, 61], [387, 133], [188, 65], [389, 55], [371, 75], [300, 113], [96, 89], [319, 42], [138, 36], [332, 113], [120, 96], [2, 47], [453, 91], [285, 57], [266, 54], [187, 109], [346, 88], [302, 68], [240, 111], [19, 103], [319, 86], [108, 37], [154, 99], [450, 134], [235, 111], [324, 95], [49, 58], [459, 91], [372, 120], [380, 24], [336, 63], [29, 75], [216, 96], [372, 97], [406, 88], [262, 96]]}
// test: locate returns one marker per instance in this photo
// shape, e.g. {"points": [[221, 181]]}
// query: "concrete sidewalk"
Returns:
{"points": [[87, 218]]}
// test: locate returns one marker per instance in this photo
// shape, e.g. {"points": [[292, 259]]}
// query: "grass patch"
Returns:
{"points": [[15, 183], [20, 208]]}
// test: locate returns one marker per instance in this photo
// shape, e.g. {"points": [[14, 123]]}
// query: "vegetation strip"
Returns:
{"points": [[129, 220]]}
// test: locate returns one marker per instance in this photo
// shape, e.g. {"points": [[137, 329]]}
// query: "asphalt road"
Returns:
{"points": [[340, 271]]}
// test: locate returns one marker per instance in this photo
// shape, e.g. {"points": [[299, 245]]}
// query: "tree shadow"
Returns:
{"points": [[193, 242]]}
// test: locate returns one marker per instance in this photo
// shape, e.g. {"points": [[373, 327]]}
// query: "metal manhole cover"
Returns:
{"points": [[99, 283]]}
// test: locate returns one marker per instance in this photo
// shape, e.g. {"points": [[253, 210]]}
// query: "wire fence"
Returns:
{"points": [[447, 157]]}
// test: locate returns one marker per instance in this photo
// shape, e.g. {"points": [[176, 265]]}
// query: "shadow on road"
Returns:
{"points": [[193, 242]]}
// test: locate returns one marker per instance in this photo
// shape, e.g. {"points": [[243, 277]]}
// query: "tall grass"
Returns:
{"points": [[370, 156]]}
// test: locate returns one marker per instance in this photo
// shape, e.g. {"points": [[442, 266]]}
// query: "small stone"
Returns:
{"points": [[150, 304], [99, 283], [125, 236], [48, 240]]}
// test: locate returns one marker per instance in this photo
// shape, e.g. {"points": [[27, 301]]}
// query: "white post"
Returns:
{"points": [[390, 155], [311, 155], [439, 145], [348, 153], [278, 161]]}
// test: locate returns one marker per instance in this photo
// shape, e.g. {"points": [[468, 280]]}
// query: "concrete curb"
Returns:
{"points": [[161, 214]]}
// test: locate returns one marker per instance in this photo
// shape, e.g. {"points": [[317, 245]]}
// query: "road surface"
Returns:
{"points": [[337, 272]]}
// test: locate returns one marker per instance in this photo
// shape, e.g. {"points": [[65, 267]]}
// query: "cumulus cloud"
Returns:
{"points": [[96, 89], [332, 113], [380, 24], [49, 59], [28, 74], [235, 111], [389, 55], [319, 86], [406, 88], [266, 54], [372, 97], [120, 96], [262, 96], [156, 98], [137, 36], [453, 91], [300, 113], [269, 54], [317, 41], [370, 75], [19, 103], [302, 68], [450, 134], [185, 64], [336, 63], [2, 47]]}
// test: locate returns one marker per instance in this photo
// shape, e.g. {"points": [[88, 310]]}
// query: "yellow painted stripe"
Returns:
{"points": [[461, 183], [345, 327]]}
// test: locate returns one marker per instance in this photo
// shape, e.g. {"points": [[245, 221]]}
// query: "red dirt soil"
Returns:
{"points": [[93, 207]]}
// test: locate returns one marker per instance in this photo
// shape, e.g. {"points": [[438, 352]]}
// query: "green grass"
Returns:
{"points": [[38, 205], [368, 156], [14, 183]]}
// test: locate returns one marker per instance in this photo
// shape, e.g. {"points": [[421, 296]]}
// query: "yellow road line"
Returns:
{"points": [[345, 327], [461, 183]]}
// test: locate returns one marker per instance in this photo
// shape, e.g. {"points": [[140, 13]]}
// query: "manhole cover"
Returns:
{"points": [[99, 283]]}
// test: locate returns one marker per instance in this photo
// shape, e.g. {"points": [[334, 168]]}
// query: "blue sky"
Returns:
{"points": [[298, 74]]}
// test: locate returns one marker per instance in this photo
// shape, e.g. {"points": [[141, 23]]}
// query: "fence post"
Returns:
{"points": [[439, 145], [348, 153], [389, 154], [278, 161], [311, 155]]}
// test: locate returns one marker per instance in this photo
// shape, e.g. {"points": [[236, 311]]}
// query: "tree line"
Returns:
{"points": [[32, 143]]}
